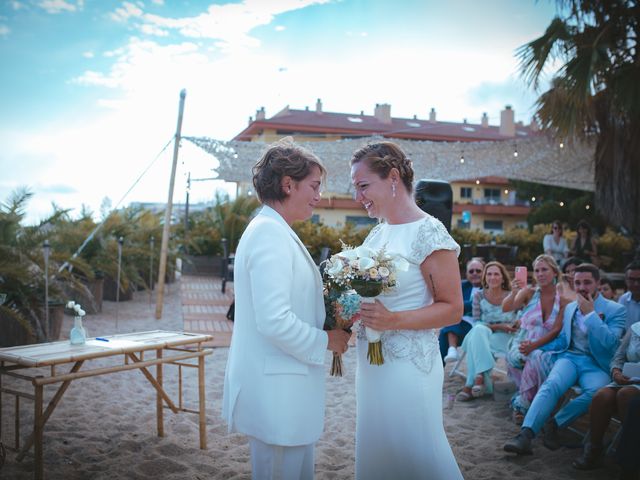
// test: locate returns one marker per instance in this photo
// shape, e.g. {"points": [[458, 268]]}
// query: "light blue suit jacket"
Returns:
{"points": [[605, 327]]}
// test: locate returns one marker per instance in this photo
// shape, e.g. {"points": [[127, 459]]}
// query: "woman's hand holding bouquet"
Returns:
{"points": [[369, 273]]}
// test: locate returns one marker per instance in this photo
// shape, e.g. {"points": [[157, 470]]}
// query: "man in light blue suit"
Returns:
{"points": [[591, 332]]}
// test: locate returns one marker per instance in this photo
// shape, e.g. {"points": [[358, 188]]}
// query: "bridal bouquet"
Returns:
{"points": [[369, 272], [342, 309]]}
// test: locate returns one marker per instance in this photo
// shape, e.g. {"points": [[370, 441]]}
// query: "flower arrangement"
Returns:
{"points": [[369, 273], [78, 334], [342, 310]]}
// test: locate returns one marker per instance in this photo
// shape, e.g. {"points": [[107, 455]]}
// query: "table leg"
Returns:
{"points": [[38, 426], [202, 404], [50, 408], [0, 407], [159, 412]]}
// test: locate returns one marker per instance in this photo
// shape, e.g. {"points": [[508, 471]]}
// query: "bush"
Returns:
{"points": [[465, 236], [317, 235], [611, 247], [529, 244]]}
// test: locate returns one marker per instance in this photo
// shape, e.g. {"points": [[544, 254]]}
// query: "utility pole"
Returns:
{"points": [[167, 214], [186, 215]]}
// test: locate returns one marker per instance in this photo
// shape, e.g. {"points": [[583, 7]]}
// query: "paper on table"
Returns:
{"points": [[113, 343]]}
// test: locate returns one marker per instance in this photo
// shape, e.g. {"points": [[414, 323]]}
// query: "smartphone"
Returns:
{"points": [[521, 274]]}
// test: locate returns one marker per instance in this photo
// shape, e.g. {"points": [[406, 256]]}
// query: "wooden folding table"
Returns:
{"points": [[178, 346]]}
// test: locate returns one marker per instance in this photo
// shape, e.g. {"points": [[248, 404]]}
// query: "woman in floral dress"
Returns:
{"points": [[540, 322]]}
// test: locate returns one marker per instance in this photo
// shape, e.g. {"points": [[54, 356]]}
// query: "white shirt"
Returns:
{"points": [[558, 250], [633, 309]]}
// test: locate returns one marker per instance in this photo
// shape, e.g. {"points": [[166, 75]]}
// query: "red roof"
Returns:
{"points": [[290, 121]]}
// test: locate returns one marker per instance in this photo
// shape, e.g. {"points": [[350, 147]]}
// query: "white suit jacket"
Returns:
{"points": [[274, 386]]}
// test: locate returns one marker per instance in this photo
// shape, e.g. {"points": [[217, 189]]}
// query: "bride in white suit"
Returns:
{"points": [[274, 388]]}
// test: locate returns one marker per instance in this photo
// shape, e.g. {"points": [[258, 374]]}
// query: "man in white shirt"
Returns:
{"points": [[631, 299]]}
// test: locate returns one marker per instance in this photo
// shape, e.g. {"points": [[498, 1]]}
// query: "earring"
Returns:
{"points": [[393, 190], [289, 190]]}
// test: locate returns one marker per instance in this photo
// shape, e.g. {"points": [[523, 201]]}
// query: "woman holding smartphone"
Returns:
{"points": [[540, 322]]}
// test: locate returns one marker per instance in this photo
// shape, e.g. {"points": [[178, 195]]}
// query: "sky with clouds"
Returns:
{"points": [[90, 88]]}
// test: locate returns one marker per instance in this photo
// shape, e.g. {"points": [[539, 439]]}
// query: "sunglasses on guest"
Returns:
{"points": [[474, 270]]}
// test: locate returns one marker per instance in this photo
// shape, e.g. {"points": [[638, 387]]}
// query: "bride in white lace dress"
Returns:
{"points": [[399, 428]]}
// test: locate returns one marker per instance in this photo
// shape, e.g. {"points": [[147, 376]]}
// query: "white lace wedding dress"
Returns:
{"points": [[399, 429]]}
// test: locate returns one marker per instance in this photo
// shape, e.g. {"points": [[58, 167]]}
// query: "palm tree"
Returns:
{"points": [[22, 266], [595, 94], [232, 217]]}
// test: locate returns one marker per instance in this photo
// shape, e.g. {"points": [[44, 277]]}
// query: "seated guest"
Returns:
{"points": [[565, 285], [591, 331], [450, 337], [605, 287], [491, 331], [614, 398], [584, 245], [629, 446], [540, 322], [555, 245], [631, 299]]}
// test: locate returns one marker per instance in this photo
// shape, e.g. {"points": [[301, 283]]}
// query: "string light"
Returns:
{"points": [[515, 150], [561, 145], [533, 199], [562, 204], [506, 191], [477, 182], [587, 207], [462, 157]]}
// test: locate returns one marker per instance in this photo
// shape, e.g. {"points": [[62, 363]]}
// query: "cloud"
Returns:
{"points": [[279, 28], [4, 30], [88, 54], [91, 77], [154, 30], [17, 5], [127, 11], [143, 63], [228, 24], [158, 2], [57, 6]]}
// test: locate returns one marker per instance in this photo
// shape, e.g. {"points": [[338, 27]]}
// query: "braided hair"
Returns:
{"points": [[381, 157]]}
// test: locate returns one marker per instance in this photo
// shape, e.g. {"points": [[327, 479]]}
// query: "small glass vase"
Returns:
{"points": [[78, 335]]}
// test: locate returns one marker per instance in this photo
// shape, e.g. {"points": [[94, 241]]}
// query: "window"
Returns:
{"points": [[493, 225], [492, 195], [466, 192], [361, 221], [315, 218], [463, 224]]}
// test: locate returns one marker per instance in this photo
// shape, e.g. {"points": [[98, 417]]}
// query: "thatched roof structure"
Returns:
{"points": [[539, 160]]}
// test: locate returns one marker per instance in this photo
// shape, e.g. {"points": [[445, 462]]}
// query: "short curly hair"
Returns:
{"points": [[281, 159], [381, 157]]}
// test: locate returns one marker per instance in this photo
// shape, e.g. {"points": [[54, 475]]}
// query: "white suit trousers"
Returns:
{"points": [[275, 462]]}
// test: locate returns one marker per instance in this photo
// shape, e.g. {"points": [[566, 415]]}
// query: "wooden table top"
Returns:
{"points": [[53, 353]]}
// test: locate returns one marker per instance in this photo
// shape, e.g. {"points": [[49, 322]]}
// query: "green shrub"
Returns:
{"points": [[611, 246], [317, 235]]}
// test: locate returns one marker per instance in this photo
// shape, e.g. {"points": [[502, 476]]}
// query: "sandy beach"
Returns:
{"points": [[105, 427]]}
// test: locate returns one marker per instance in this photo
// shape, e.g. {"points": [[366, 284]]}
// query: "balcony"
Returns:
{"points": [[507, 202]]}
